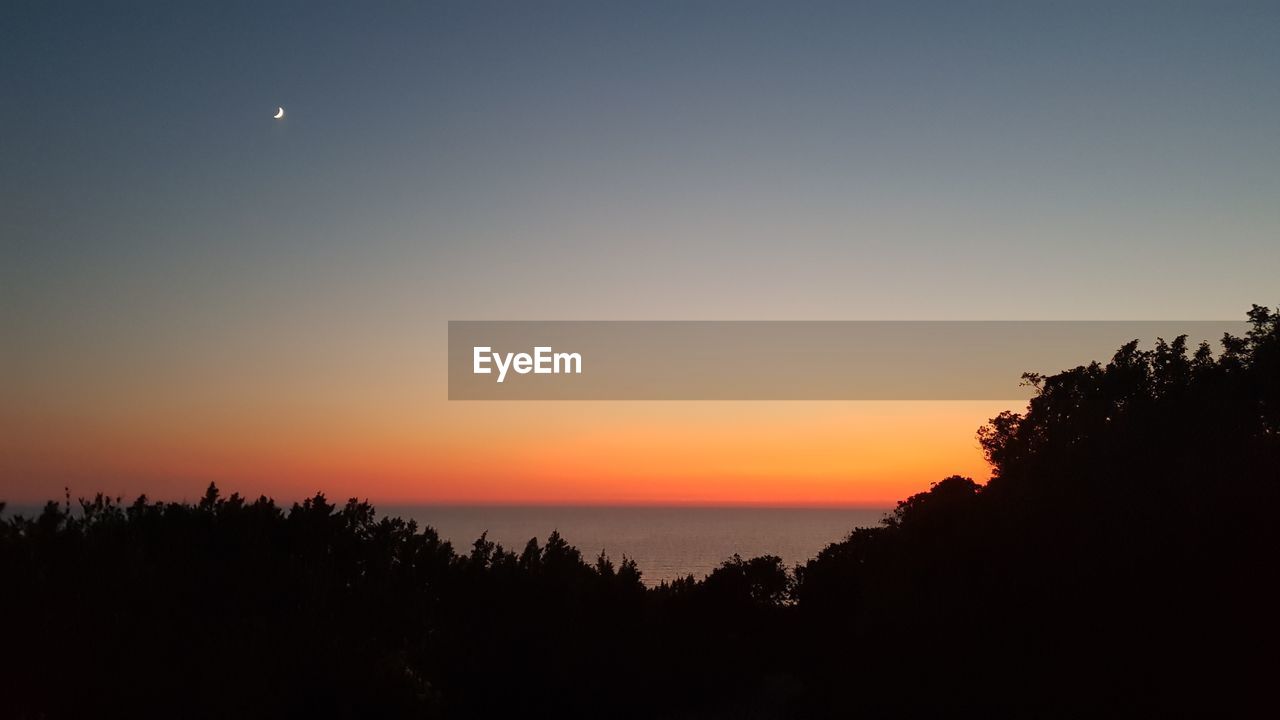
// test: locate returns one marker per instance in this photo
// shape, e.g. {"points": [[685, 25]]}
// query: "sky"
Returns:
{"points": [[191, 291]]}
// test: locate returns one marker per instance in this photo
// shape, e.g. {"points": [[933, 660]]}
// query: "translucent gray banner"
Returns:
{"points": [[784, 360]]}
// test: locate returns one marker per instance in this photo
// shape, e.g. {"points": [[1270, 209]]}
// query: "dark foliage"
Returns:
{"points": [[1121, 560]]}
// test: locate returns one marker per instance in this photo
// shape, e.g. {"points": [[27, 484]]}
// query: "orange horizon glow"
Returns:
{"points": [[788, 454]]}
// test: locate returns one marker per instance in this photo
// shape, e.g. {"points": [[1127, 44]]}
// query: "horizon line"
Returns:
{"points": [[575, 504]]}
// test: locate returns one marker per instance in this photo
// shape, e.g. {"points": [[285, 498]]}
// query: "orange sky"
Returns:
{"points": [[779, 453]]}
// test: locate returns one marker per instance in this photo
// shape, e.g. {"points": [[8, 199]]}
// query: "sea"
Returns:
{"points": [[665, 542]]}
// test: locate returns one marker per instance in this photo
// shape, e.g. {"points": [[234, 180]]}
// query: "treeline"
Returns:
{"points": [[1122, 559]]}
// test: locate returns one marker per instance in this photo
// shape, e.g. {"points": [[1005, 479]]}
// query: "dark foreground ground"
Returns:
{"points": [[995, 597]]}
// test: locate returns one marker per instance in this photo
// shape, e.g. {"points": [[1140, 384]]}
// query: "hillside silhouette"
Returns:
{"points": [[1121, 560]]}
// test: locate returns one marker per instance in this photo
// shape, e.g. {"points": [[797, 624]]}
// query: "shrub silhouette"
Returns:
{"points": [[1121, 560]]}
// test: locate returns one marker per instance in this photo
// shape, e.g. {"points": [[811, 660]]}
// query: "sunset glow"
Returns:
{"points": [[778, 453]]}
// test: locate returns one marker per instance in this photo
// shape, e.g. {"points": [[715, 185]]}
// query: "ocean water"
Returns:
{"points": [[665, 542]]}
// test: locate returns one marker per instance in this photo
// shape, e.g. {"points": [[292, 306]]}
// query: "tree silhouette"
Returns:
{"points": [[1120, 560]]}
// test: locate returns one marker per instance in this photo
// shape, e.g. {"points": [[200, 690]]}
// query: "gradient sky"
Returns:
{"points": [[191, 291]]}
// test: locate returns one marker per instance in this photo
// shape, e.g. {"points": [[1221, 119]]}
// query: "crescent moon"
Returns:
{"points": [[279, 113]]}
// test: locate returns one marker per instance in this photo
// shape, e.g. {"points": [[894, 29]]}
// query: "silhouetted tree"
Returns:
{"points": [[1120, 560]]}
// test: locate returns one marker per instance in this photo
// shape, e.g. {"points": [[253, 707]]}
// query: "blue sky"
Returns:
{"points": [[834, 159]]}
